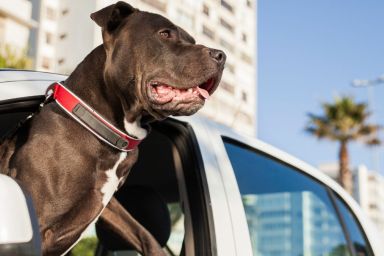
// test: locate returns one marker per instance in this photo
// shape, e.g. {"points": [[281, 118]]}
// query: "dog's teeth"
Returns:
{"points": [[190, 90]]}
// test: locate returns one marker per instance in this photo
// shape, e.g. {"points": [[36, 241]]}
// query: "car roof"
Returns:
{"points": [[12, 75], [25, 83]]}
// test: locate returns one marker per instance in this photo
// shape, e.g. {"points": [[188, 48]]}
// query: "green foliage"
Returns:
{"points": [[344, 120], [175, 212], [10, 58], [340, 250], [86, 247]]}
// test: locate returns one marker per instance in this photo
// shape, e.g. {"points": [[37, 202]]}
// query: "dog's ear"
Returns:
{"points": [[110, 17]]}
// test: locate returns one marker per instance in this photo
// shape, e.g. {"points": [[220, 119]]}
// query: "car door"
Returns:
{"points": [[289, 212]]}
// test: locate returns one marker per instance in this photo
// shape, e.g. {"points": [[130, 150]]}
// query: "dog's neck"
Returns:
{"points": [[122, 111]]}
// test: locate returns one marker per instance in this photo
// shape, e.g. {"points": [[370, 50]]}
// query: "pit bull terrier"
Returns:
{"points": [[75, 157]]}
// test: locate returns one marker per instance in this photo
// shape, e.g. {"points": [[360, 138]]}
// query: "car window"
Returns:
{"points": [[288, 213], [356, 235]]}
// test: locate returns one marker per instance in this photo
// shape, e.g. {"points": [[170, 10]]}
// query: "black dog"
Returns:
{"points": [[147, 68]]}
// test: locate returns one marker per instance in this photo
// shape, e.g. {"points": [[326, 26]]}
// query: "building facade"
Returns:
{"points": [[227, 24], [15, 24], [369, 192], [43, 38]]}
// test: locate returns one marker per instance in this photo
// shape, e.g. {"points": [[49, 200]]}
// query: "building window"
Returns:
{"points": [[63, 36], [249, 3], [226, 44], [244, 96], [226, 5], [51, 14], [208, 32], [46, 63], [61, 61], [227, 87], [244, 37], [226, 25], [161, 6], [373, 206], [64, 11], [206, 10], [48, 38], [246, 58], [230, 68]]}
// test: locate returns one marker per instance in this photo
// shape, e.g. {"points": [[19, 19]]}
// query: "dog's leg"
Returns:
{"points": [[123, 224], [60, 236]]}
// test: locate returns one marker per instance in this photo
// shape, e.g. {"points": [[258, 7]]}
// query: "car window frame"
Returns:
{"points": [[332, 194], [190, 171]]}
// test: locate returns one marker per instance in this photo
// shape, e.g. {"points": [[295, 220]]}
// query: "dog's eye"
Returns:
{"points": [[165, 33]]}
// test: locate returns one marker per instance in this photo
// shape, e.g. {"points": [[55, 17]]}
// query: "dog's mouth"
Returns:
{"points": [[163, 93]]}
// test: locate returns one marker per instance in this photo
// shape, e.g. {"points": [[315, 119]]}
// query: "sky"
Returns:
{"points": [[309, 51]]}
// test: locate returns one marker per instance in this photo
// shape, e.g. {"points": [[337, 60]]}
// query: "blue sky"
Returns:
{"points": [[309, 51]]}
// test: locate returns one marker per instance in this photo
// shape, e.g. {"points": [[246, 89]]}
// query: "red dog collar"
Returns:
{"points": [[90, 119]]}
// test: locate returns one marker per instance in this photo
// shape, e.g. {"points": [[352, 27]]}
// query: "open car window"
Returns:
{"points": [[167, 164]]}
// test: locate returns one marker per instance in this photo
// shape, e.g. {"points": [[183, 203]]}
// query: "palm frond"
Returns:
{"points": [[343, 120]]}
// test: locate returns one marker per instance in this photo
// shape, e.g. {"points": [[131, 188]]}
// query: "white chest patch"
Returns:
{"points": [[135, 129], [110, 187]]}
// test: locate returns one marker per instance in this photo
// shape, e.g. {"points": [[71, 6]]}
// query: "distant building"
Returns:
{"points": [[43, 38], [331, 169], [227, 24], [369, 192], [15, 23]]}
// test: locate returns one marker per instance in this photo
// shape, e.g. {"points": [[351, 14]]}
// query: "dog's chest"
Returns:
{"points": [[112, 180], [108, 188]]}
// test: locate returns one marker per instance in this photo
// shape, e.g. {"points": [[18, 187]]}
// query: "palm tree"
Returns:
{"points": [[344, 121]]}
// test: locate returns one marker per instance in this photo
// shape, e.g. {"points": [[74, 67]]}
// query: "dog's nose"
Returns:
{"points": [[217, 55]]}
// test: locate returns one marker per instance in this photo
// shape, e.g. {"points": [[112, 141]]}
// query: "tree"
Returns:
{"points": [[86, 247], [10, 58], [344, 121]]}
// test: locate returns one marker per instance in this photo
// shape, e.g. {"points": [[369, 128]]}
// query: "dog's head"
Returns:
{"points": [[170, 73]]}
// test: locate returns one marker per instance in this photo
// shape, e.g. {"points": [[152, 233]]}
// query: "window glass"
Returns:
{"points": [[355, 233], [288, 213]]}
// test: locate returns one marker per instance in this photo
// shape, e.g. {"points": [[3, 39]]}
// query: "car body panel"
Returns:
{"points": [[15, 84], [224, 198]]}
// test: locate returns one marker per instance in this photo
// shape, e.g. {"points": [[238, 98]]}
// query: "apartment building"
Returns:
{"points": [[43, 38], [369, 192], [15, 24], [225, 24]]}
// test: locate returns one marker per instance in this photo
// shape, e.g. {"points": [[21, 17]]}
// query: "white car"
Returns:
{"points": [[202, 189]]}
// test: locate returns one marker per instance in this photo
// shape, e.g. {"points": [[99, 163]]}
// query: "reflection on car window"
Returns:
{"points": [[288, 213], [356, 236]]}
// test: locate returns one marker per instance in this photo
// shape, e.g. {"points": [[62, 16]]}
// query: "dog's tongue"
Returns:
{"points": [[203, 92]]}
